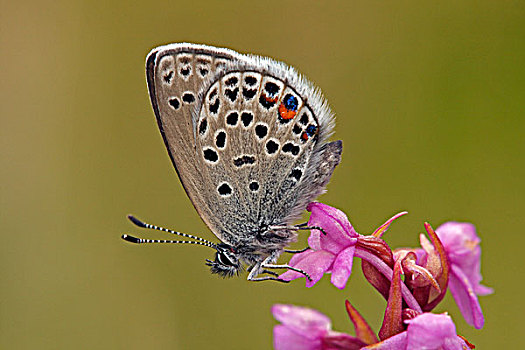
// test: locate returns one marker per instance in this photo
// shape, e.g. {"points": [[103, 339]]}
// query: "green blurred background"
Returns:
{"points": [[430, 106]]}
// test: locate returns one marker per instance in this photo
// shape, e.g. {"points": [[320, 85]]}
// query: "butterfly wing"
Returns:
{"points": [[261, 133], [175, 74]]}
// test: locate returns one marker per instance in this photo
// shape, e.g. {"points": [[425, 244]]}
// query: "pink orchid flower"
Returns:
{"points": [[461, 245], [426, 331], [329, 253], [302, 328], [333, 251]]}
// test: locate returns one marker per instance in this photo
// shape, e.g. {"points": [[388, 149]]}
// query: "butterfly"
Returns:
{"points": [[247, 136]]}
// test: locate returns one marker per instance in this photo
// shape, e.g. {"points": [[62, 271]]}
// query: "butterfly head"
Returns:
{"points": [[226, 263]]}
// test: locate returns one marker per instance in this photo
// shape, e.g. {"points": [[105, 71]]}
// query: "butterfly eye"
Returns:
{"points": [[224, 259], [226, 263]]}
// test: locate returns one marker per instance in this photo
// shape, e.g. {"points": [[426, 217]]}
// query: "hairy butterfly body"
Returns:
{"points": [[247, 137]]}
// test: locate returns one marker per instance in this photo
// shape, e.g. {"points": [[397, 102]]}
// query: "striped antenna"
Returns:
{"points": [[139, 223], [142, 240]]}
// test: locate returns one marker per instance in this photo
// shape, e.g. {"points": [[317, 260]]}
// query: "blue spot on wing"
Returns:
{"points": [[290, 102], [310, 130]]}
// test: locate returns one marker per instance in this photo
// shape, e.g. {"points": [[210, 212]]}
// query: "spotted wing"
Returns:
{"points": [[261, 133], [176, 73]]}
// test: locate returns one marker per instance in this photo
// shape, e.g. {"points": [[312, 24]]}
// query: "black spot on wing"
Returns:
{"points": [[232, 118], [291, 148], [243, 160], [188, 97], [249, 93], [232, 94], [246, 118], [211, 155], [296, 174], [271, 88], [167, 77], [220, 139], [185, 71], [272, 147], [214, 107], [266, 102], [224, 189], [287, 148], [304, 119], [232, 81], [203, 126], [250, 80], [174, 103], [261, 131], [254, 186]]}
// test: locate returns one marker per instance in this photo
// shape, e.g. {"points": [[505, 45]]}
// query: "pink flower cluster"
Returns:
{"points": [[448, 259]]}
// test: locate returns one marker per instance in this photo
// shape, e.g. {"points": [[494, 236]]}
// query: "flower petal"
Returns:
{"points": [[338, 341], [420, 276], [377, 248], [462, 246], [296, 258], [363, 331], [392, 321], [459, 238], [383, 228], [465, 298], [307, 322], [334, 213], [381, 268], [314, 240], [335, 223], [439, 263], [431, 331], [342, 267], [483, 290], [397, 342], [315, 263], [285, 338]]}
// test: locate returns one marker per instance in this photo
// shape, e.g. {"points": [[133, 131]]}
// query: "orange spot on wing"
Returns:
{"points": [[285, 113], [271, 100], [304, 136]]}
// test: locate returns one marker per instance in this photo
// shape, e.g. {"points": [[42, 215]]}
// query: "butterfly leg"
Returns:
{"points": [[270, 273], [268, 278], [268, 263], [296, 251], [249, 269], [269, 266], [303, 226], [257, 269]]}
